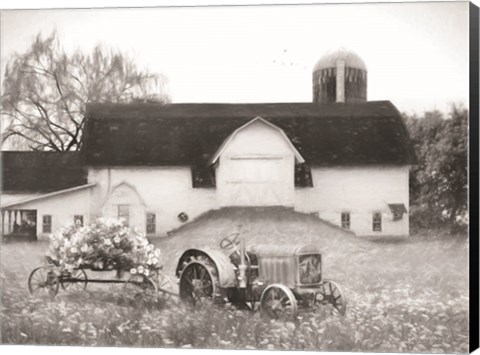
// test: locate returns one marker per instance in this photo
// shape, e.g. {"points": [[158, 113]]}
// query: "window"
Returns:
{"points": [[151, 225], [47, 223], [124, 214], [345, 219], [377, 222], [78, 220]]}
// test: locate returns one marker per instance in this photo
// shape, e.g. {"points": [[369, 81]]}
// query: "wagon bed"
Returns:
{"points": [[47, 280]]}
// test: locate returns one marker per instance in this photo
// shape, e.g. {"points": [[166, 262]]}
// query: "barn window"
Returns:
{"points": [[47, 223], [303, 176], [78, 220], [377, 222], [124, 214], [151, 223], [203, 177], [345, 219]]}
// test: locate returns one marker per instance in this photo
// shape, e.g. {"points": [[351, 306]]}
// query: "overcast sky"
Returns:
{"points": [[416, 53]]}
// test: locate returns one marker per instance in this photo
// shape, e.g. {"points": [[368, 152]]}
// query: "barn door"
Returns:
{"points": [[257, 182]]}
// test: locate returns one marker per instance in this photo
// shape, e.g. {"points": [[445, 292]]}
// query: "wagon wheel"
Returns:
{"points": [[199, 283], [140, 289], [278, 302], [75, 280], [166, 286], [331, 293], [43, 282]]}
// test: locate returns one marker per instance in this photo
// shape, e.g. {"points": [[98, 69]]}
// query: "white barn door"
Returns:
{"points": [[257, 182]]}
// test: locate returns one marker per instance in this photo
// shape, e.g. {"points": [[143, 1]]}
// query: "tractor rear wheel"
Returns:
{"points": [[199, 283]]}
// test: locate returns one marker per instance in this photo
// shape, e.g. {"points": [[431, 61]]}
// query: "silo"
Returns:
{"points": [[340, 76]]}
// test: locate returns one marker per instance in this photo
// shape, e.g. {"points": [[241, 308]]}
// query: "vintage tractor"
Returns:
{"points": [[278, 278]]}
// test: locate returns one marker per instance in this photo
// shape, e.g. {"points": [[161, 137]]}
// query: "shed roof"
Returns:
{"points": [[189, 134], [26, 171]]}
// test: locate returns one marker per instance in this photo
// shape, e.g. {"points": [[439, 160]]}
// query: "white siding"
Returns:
{"points": [[361, 191], [165, 191], [125, 194], [62, 208]]}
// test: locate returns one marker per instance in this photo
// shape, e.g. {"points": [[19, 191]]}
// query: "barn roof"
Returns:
{"points": [[189, 134], [24, 172]]}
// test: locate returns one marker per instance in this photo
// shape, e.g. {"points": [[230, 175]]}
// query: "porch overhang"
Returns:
{"points": [[47, 195]]}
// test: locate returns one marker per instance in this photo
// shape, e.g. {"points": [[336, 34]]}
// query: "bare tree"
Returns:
{"points": [[45, 91]]}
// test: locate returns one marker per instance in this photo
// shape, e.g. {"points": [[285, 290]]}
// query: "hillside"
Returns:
{"points": [[262, 225]]}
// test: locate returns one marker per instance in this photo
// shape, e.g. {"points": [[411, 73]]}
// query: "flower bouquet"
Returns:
{"points": [[104, 245]]}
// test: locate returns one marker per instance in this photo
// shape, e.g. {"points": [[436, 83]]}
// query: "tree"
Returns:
{"points": [[45, 91], [439, 183]]}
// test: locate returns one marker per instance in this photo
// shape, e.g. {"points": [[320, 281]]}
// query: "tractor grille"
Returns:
{"points": [[310, 269]]}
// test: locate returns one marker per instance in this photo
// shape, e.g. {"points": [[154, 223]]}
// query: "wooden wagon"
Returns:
{"points": [[48, 280]]}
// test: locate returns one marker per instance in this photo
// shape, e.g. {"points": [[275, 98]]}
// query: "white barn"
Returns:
{"points": [[157, 166]]}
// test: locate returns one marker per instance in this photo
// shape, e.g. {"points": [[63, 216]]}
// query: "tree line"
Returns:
{"points": [[439, 181]]}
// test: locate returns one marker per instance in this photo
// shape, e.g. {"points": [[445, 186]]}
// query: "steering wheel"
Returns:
{"points": [[229, 241]]}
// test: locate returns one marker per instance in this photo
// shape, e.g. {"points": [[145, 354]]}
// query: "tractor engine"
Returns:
{"points": [[292, 265]]}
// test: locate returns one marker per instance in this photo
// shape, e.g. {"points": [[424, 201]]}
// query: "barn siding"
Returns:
{"points": [[166, 191], [359, 191]]}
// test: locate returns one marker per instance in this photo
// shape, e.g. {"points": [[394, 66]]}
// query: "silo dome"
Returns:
{"points": [[340, 76]]}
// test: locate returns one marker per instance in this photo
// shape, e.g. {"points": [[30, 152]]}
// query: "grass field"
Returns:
{"points": [[404, 296]]}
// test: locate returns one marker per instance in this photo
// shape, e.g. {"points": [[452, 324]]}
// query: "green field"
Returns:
{"points": [[404, 296]]}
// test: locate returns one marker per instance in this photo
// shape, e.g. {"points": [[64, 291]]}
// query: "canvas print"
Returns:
{"points": [[255, 177]]}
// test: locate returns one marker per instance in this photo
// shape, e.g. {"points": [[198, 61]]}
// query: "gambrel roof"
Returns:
{"points": [[216, 155], [189, 134]]}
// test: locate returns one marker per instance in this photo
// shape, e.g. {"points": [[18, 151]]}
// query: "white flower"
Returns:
{"points": [[74, 250], [141, 269], [84, 248], [157, 253], [133, 271], [146, 272], [116, 240]]}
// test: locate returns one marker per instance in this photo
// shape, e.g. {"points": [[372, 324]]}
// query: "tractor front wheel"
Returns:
{"points": [[199, 283], [278, 302], [331, 294]]}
